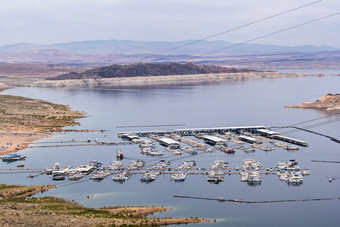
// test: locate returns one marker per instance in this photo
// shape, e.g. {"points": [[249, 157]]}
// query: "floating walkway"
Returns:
{"points": [[220, 199]]}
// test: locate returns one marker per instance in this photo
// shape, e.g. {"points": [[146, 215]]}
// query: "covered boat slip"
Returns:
{"points": [[168, 142], [277, 136], [214, 140], [262, 130], [193, 131]]}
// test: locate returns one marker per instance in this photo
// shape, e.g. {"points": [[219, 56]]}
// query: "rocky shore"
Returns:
{"points": [[163, 80], [3, 86], [329, 102]]}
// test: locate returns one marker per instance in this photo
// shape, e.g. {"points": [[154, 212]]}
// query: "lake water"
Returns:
{"points": [[238, 103]]}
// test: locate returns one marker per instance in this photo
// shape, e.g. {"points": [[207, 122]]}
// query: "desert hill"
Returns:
{"points": [[147, 69], [328, 102]]}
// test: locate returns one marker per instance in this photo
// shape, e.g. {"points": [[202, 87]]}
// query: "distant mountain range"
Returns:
{"points": [[129, 47], [108, 52]]}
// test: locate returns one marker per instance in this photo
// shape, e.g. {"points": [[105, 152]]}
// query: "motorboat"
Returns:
{"points": [[215, 177], [180, 176], [295, 177]]}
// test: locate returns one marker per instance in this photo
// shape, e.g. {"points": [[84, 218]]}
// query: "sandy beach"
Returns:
{"points": [[15, 141]]}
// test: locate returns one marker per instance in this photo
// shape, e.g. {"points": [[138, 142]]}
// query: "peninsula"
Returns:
{"points": [[18, 210], [23, 120], [329, 102]]}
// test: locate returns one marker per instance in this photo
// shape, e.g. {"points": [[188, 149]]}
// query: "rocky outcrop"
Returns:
{"points": [[329, 102], [3, 86]]}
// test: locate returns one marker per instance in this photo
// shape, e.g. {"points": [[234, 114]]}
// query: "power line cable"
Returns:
{"points": [[311, 126], [227, 31], [302, 122], [270, 34]]}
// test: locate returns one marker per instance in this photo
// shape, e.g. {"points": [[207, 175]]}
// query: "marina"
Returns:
{"points": [[190, 105]]}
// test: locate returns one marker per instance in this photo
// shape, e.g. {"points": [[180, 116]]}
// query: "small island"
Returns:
{"points": [[329, 102], [148, 74]]}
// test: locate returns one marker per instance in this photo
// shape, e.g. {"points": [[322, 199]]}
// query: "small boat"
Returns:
{"points": [[187, 164], [175, 152], [215, 177], [121, 177], [58, 177], [295, 177], [177, 177], [244, 176], [254, 177], [115, 165], [229, 150], [21, 165], [76, 176], [119, 154], [136, 164], [155, 153], [95, 163], [219, 164], [99, 176], [149, 176]]}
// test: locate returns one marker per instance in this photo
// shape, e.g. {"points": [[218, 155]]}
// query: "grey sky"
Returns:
{"points": [[57, 21]]}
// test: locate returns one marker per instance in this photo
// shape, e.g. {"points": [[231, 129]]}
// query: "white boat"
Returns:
{"points": [[119, 154], [283, 176], [145, 150], [155, 153], [149, 176], [295, 177], [176, 152], [99, 175], [306, 172], [244, 176], [115, 165], [121, 177], [219, 164], [215, 177], [254, 177], [180, 176], [85, 168], [187, 164]]}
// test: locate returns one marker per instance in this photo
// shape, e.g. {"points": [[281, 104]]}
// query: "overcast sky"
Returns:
{"points": [[58, 21]]}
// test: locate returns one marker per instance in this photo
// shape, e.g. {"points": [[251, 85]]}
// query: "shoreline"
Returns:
{"points": [[165, 80], [19, 140], [16, 205], [25, 120]]}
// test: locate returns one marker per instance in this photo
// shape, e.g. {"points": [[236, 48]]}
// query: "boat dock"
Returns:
{"points": [[246, 130]]}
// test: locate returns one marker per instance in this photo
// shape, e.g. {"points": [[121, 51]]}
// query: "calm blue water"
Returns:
{"points": [[241, 103]]}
